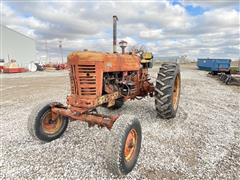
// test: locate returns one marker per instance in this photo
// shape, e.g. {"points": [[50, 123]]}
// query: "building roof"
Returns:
{"points": [[16, 32]]}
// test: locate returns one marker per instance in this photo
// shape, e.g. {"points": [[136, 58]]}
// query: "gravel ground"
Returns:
{"points": [[202, 142]]}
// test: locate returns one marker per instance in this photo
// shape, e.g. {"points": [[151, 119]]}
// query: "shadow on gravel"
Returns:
{"points": [[162, 174], [182, 115]]}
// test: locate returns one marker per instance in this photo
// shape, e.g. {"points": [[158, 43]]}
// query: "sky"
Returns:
{"points": [[197, 28]]}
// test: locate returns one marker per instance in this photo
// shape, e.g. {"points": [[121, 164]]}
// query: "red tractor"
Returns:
{"points": [[109, 80]]}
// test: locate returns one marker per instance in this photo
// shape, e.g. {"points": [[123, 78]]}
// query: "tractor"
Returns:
{"points": [[109, 80]]}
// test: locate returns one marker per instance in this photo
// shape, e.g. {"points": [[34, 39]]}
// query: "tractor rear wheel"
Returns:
{"points": [[124, 145], [41, 125], [167, 90]]}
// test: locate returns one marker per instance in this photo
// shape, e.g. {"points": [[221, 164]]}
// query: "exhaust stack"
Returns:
{"points": [[115, 19]]}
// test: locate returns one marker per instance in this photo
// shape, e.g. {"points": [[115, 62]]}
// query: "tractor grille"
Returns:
{"points": [[83, 80], [87, 79]]}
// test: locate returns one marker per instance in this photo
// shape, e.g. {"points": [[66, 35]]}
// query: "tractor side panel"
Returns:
{"points": [[119, 62], [99, 78]]}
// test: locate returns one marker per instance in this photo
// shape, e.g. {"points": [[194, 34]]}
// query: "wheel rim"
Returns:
{"points": [[176, 92], [130, 144], [50, 126]]}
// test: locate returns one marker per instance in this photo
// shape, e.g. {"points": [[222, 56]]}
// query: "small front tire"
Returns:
{"points": [[42, 127], [124, 145]]}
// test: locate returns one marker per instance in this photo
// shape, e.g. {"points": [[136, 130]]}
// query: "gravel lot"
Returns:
{"points": [[202, 142]]}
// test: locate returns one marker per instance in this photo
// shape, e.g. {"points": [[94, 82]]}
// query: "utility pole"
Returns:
{"points": [[46, 47], [60, 47]]}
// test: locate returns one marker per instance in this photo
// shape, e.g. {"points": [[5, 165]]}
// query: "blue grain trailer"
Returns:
{"points": [[214, 65]]}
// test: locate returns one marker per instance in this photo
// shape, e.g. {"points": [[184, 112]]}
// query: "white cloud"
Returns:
{"points": [[220, 18], [151, 34], [212, 3], [164, 28]]}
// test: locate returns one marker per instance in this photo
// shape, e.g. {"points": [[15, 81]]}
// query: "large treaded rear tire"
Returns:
{"points": [[117, 161], [166, 101], [35, 123]]}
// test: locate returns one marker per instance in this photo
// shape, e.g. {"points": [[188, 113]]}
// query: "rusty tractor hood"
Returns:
{"points": [[110, 62]]}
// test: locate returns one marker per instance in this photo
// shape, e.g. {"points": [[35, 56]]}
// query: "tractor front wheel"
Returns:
{"points": [[124, 145], [167, 90], [42, 126]]}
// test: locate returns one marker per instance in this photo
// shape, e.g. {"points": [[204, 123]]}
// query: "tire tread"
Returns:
{"points": [[163, 90], [115, 143]]}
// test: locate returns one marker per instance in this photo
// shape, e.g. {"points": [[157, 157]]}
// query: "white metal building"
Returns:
{"points": [[17, 46]]}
